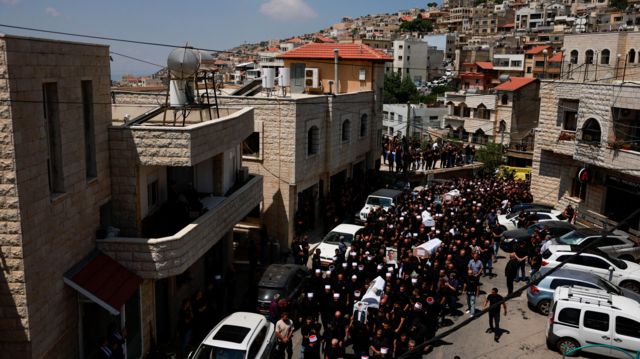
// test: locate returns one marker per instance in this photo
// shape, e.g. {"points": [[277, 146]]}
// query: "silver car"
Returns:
{"points": [[540, 295], [617, 245]]}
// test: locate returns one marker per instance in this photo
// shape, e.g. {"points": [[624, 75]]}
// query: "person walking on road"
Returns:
{"points": [[284, 332], [511, 271], [472, 289], [494, 312]]}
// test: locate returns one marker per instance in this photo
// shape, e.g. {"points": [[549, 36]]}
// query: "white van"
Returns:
{"points": [[581, 316], [384, 198]]}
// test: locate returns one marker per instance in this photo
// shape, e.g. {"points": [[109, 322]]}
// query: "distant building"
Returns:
{"points": [[417, 60], [471, 117], [510, 64], [394, 119], [443, 42], [542, 62]]}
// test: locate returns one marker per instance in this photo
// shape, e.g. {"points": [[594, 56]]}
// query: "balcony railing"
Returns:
{"points": [[171, 255]]}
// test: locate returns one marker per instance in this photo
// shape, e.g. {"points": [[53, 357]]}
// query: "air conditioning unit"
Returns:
{"points": [[311, 78]]}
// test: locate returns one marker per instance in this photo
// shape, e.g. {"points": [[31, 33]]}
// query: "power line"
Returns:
{"points": [[137, 59]]}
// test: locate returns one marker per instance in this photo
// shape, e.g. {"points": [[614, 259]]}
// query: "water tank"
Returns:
{"points": [[268, 78], [285, 77], [183, 63]]}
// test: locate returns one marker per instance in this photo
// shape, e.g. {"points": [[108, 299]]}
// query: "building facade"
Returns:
{"points": [[394, 119], [417, 60], [471, 117]]}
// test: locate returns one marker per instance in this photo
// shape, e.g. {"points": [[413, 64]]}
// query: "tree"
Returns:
{"points": [[619, 4], [397, 90], [417, 25], [432, 4], [490, 156]]}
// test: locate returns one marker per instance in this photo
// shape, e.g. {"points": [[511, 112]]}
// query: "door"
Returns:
{"points": [[626, 334], [297, 78], [596, 329]]}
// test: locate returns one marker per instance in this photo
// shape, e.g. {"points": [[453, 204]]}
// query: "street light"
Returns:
{"points": [[545, 52], [618, 56]]}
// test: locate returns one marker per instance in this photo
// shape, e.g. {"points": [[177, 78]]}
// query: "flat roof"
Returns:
{"points": [[31, 38]]}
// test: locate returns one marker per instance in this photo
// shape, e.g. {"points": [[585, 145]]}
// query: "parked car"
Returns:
{"points": [[511, 239], [382, 198], [540, 295], [287, 280], [241, 335], [616, 245], [509, 221], [331, 242], [529, 207], [618, 271], [582, 316]]}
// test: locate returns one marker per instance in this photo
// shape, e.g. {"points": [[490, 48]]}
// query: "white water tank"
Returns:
{"points": [[268, 78], [183, 63], [285, 77]]}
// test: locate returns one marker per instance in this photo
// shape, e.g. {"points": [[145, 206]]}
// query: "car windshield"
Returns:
{"points": [[266, 294], [379, 201], [608, 286], [335, 237], [211, 352], [570, 238], [532, 228], [617, 262], [512, 214]]}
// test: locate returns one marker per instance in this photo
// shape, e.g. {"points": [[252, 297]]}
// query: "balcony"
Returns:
{"points": [[162, 257], [159, 138]]}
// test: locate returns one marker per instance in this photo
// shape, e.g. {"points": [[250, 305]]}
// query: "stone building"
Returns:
{"points": [[594, 126], [106, 224], [307, 144], [471, 116], [54, 179]]}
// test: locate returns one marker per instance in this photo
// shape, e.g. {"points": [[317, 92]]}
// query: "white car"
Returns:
{"points": [[382, 198], [616, 244], [619, 272], [581, 316], [241, 335], [331, 242], [509, 222]]}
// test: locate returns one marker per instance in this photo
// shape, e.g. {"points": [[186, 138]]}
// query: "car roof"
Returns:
{"points": [[347, 228], [554, 223], [277, 275], [591, 296], [229, 332], [386, 192], [571, 274]]}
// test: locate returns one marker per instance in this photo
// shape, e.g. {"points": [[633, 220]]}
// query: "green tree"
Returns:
{"points": [[397, 90], [432, 4], [417, 25], [619, 4], [490, 156]]}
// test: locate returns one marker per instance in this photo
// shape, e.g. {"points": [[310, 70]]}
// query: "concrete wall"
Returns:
{"points": [[57, 231], [348, 72]]}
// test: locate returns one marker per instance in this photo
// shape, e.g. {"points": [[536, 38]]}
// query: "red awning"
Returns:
{"points": [[103, 280]]}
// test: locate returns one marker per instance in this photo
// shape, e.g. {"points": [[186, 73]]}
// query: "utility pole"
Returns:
{"points": [[408, 120]]}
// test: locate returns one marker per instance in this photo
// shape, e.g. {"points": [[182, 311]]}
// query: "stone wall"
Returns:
{"points": [[155, 258], [59, 230], [14, 321]]}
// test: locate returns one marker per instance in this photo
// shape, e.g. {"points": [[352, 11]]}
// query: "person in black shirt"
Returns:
{"points": [[472, 290], [494, 312], [511, 271], [522, 255]]}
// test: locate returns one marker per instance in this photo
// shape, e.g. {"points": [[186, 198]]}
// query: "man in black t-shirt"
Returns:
{"points": [[471, 289], [494, 312]]}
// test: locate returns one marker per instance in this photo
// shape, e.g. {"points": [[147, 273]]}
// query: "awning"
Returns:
{"points": [[103, 280]]}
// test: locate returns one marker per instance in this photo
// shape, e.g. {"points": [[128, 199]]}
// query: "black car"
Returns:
{"points": [[511, 239], [288, 280]]}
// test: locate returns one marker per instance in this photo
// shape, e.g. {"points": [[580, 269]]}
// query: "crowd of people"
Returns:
{"points": [[421, 292], [403, 155]]}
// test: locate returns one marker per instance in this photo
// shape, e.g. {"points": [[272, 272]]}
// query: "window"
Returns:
{"points": [[568, 114], [52, 127], [504, 99], [528, 69], [346, 130], [573, 57], [627, 327], [89, 130], [569, 316], [313, 140], [152, 194], [562, 282], [399, 58], [604, 57], [257, 343], [399, 118], [539, 63], [516, 63], [364, 125], [578, 189], [588, 57], [591, 131], [593, 262], [408, 58], [251, 145], [631, 58], [596, 321]]}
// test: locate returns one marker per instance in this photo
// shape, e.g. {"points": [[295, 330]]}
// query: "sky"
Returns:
{"points": [[211, 24]]}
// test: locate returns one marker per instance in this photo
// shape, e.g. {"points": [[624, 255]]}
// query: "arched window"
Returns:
{"points": [[313, 140], [504, 99], [632, 56], [588, 57], [364, 125], [503, 126], [573, 57], [604, 57], [479, 137], [482, 112], [591, 131], [346, 130]]}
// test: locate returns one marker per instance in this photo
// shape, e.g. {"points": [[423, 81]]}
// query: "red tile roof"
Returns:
{"points": [[514, 83], [406, 18], [325, 51], [508, 25], [557, 57], [485, 65], [538, 49], [104, 281], [324, 39]]}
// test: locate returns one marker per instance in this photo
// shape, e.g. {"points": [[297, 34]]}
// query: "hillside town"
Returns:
{"points": [[380, 188]]}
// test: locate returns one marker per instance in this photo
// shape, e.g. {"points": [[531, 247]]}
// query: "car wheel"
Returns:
{"points": [[543, 307], [565, 345], [631, 285]]}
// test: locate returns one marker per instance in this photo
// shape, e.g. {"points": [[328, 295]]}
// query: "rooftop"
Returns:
{"points": [[325, 51], [538, 49], [515, 83], [485, 65]]}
